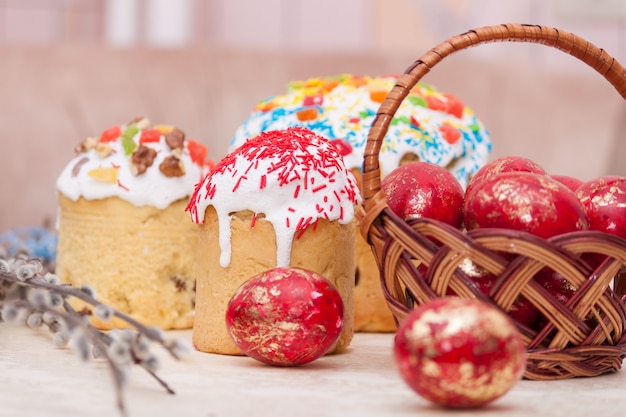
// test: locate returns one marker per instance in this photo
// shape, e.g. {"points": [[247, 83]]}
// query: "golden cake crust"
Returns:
{"points": [[140, 260], [371, 313]]}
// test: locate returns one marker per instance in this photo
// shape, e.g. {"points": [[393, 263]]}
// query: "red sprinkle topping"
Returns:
{"points": [[296, 157], [243, 177], [122, 186]]}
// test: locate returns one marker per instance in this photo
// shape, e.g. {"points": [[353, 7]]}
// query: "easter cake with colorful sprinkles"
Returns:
{"points": [[122, 225], [429, 126]]}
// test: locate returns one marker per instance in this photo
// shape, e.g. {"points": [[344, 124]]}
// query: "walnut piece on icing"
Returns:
{"points": [[141, 159], [175, 138], [104, 149], [141, 122], [86, 145], [172, 167]]}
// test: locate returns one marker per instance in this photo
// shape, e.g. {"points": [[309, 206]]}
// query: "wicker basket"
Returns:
{"points": [[567, 346]]}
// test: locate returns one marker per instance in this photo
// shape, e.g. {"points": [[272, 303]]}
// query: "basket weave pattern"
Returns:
{"points": [[568, 345]]}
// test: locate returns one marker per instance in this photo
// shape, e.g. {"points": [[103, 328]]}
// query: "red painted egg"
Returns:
{"points": [[504, 164], [422, 189], [532, 203], [522, 311], [570, 182], [459, 353], [285, 316], [604, 200]]}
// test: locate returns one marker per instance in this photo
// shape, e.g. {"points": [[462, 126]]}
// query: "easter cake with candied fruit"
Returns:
{"points": [[122, 226]]}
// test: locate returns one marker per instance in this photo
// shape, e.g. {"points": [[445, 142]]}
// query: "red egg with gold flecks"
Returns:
{"points": [[504, 164], [421, 189], [285, 316], [570, 182], [459, 353], [604, 200]]}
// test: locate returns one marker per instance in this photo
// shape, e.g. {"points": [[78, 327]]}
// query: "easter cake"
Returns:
{"points": [[122, 226], [282, 199], [429, 126]]}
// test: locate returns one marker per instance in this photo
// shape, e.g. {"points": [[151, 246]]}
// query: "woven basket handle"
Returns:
{"points": [[569, 43]]}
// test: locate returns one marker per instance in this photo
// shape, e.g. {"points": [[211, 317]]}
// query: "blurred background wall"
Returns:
{"points": [[70, 68], [301, 25]]}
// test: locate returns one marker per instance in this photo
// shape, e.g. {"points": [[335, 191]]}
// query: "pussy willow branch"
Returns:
{"points": [[72, 319], [67, 290]]}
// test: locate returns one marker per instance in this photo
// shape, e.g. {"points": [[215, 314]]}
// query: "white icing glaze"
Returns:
{"points": [[346, 110], [292, 177], [151, 188]]}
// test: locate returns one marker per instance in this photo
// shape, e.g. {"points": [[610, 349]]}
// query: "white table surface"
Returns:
{"points": [[41, 380]]}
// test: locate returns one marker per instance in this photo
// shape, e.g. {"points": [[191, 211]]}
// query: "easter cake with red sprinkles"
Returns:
{"points": [[283, 199]]}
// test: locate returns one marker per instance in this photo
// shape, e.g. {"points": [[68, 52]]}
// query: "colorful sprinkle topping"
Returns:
{"points": [[344, 107]]}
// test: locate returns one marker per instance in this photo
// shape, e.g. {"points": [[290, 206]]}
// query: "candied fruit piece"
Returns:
{"points": [[330, 85], [111, 134], [128, 141], [150, 136], [316, 99], [197, 151], [164, 129], [378, 96], [266, 106], [435, 103], [450, 133], [357, 81], [104, 174], [307, 114], [417, 100], [455, 106]]}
